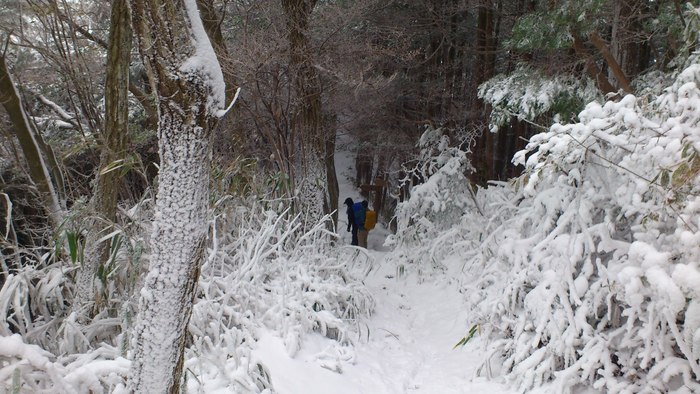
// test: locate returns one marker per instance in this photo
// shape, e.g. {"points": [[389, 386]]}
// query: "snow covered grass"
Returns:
{"points": [[26, 368], [263, 275], [43, 346], [584, 271]]}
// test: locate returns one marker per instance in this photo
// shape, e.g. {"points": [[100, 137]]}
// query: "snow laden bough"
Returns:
{"points": [[428, 223], [584, 271], [591, 276]]}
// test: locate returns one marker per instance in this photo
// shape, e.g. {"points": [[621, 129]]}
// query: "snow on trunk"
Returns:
{"points": [[184, 72], [311, 185], [204, 62], [177, 248]]}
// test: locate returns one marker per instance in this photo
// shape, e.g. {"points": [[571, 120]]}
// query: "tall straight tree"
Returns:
{"points": [[185, 75], [104, 200], [314, 170], [484, 69]]}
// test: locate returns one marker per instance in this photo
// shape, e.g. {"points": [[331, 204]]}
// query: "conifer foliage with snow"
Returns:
{"points": [[527, 94]]}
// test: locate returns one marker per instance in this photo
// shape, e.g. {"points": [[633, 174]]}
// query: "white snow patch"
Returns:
{"points": [[406, 347], [204, 59]]}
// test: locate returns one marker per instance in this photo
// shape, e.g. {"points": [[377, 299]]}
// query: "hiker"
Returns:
{"points": [[360, 215], [352, 225]]}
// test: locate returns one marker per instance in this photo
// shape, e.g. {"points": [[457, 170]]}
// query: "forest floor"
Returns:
{"points": [[406, 346]]}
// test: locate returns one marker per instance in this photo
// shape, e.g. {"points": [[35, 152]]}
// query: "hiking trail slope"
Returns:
{"points": [[407, 346]]}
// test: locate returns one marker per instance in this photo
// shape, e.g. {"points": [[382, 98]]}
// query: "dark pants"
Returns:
{"points": [[354, 236]]}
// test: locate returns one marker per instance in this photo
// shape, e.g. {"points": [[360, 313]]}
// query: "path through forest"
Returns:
{"points": [[406, 346]]}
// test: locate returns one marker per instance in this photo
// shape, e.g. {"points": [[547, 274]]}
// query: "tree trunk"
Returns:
{"points": [[483, 159], [39, 157], [612, 63], [333, 188], [313, 149], [212, 25], [177, 250], [183, 71], [591, 68], [104, 199]]}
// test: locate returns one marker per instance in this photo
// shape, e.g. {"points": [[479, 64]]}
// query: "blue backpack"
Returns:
{"points": [[359, 211]]}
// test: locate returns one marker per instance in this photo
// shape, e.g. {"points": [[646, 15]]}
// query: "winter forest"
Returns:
{"points": [[172, 178]]}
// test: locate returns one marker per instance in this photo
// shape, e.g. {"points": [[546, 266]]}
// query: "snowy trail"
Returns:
{"points": [[415, 328], [405, 347]]}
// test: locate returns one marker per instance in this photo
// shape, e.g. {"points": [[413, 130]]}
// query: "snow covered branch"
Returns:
{"points": [[584, 270]]}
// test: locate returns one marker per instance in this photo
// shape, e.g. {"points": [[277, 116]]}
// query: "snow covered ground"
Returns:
{"points": [[407, 346]]}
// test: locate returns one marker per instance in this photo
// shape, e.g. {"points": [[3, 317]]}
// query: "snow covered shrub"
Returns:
{"points": [[35, 302], [437, 205], [264, 273], [29, 299], [438, 202], [591, 274]]}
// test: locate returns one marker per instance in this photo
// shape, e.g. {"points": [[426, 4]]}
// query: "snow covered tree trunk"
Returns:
{"points": [[104, 200], [177, 248], [312, 179], [185, 74]]}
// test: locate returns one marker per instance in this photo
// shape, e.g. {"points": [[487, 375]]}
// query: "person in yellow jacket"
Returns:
{"points": [[362, 232]]}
